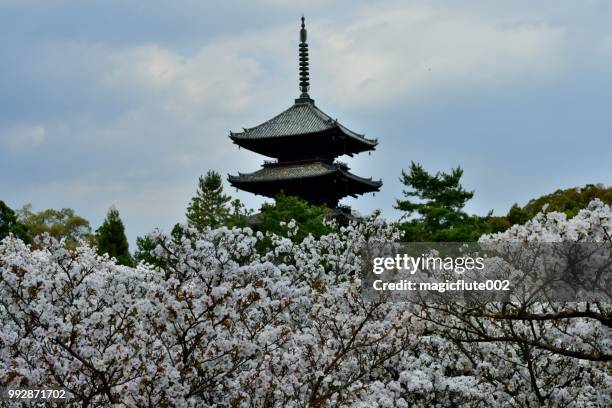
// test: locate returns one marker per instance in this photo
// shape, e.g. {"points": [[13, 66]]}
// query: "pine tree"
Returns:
{"points": [[438, 208], [210, 207], [111, 238]]}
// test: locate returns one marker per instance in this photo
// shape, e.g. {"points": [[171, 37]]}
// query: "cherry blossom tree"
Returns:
{"points": [[218, 322]]}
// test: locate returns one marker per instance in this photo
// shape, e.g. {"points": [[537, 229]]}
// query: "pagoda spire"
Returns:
{"points": [[304, 76]]}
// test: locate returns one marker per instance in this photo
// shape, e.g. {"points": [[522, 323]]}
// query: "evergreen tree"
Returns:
{"points": [[111, 238], [144, 251], [9, 224], [438, 208], [209, 207]]}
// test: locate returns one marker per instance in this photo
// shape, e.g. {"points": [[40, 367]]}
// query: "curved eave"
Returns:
{"points": [[242, 137], [239, 178], [361, 138], [335, 141], [374, 184], [313, 117], [250, 178], [343, 129]]}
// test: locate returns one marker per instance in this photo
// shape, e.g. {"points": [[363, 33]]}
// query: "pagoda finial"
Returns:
{"points": [[304, 78]]}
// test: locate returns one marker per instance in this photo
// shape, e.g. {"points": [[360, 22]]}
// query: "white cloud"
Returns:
{"points": [[412, 52], [381, 53], [217, 79], [23, 136]]}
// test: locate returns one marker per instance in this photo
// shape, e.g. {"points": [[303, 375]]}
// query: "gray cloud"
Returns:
{"points": [[127, 104]]}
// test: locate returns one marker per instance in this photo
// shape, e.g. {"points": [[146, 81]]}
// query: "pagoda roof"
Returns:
{"points": [[281, 172], [302, 118]]}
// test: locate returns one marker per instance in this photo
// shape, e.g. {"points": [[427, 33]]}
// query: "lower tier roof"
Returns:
{"points": [[316, 182]]}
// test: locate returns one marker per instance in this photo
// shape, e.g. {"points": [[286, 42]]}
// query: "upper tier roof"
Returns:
{"points": [[300, 119]]}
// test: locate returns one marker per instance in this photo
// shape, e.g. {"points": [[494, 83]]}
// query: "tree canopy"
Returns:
{"points": [[60, 224], [433, 207], [111, 239], [9, 224], [568, 201], [210, 207], [309, 219]]}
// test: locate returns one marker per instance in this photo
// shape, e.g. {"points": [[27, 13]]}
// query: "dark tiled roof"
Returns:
{"points": [[286, 172], [368, 181], [301, 118], [289, 172]]}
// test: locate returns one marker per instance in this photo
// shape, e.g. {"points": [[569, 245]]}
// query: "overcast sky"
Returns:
{"points": [[127, 103]]}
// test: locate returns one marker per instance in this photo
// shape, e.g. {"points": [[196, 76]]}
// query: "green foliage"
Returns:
{"points": [[144, 247], [438, 209], [239, 216], [310, 219], [177, 233], [60, 224], [437, 214], [9, 224], [209, 207], [569, 201], [517, 215], [496, 224], [111, 239]]}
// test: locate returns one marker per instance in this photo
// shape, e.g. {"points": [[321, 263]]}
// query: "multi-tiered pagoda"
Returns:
{"points": [[305, 141]]}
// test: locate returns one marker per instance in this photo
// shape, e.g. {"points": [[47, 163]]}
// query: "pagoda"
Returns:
{"points": [[305, 142]]}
